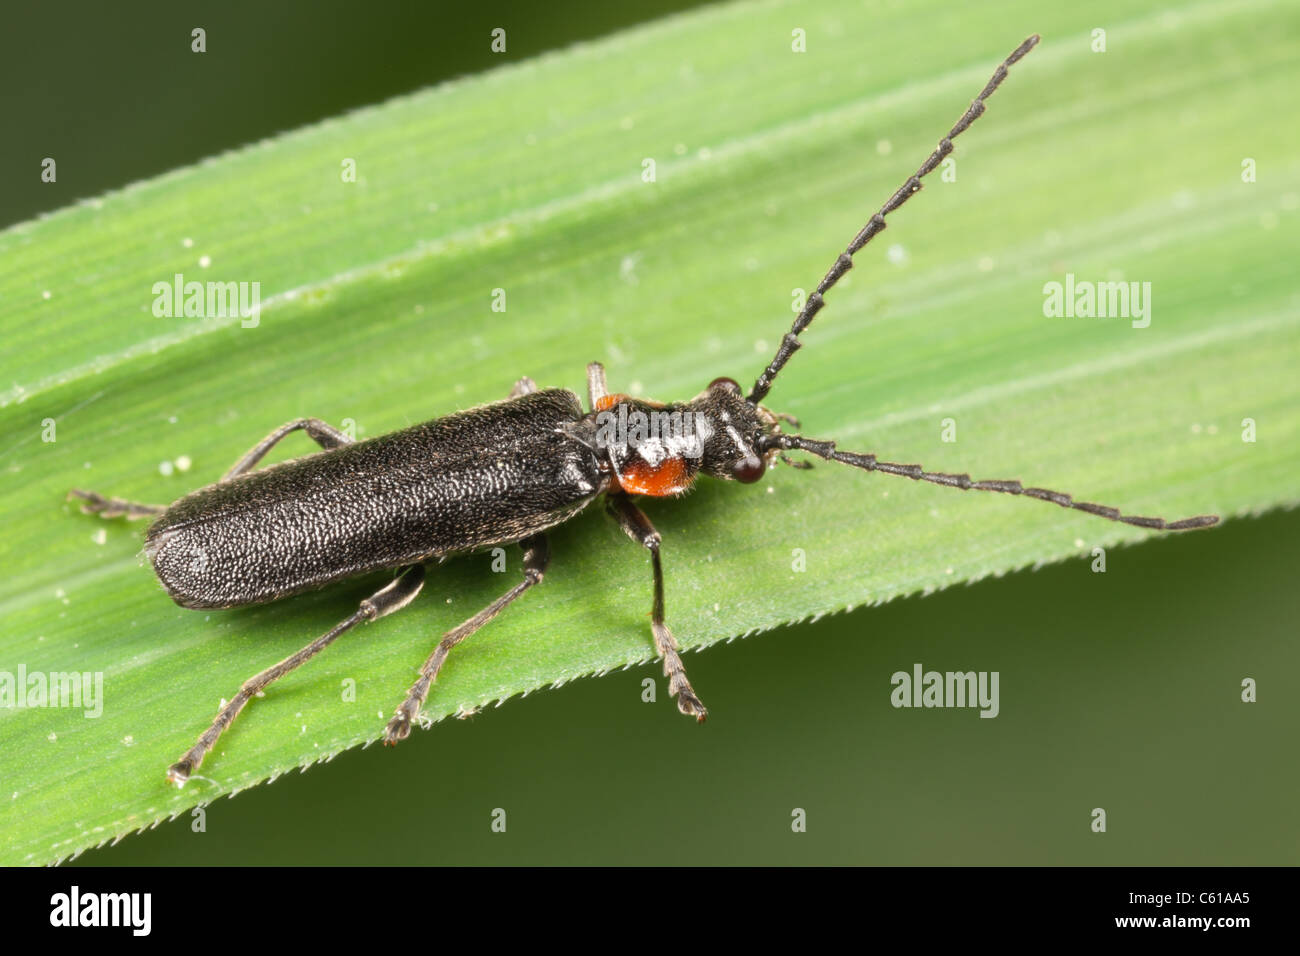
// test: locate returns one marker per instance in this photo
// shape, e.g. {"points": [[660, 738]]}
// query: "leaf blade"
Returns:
{"points": [[715, 246]]}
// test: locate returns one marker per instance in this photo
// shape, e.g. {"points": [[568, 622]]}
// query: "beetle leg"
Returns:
{"points": [[596, 388], [537, 555], [323, 433], [392, 597], [637, 526], [525, 386], [114, 507]]}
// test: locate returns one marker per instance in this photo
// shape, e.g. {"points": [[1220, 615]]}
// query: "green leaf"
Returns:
{"points": [[376, 307]]}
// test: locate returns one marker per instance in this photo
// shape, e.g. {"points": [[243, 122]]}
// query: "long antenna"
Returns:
{"points": [[790, 342], [828, 451]]}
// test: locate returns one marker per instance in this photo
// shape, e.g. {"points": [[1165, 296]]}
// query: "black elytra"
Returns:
{"points": [[498, 474]]}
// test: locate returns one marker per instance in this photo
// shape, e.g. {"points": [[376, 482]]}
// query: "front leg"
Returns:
{"points": [[596, 388], [637, 526]]}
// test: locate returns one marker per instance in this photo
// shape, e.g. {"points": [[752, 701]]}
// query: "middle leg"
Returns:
{"points": [[537, 555], [525, 386], [322, 433]]}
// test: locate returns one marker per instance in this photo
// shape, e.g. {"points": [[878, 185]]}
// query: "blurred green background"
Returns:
{"points": [[1118, 690], [116, 95]]}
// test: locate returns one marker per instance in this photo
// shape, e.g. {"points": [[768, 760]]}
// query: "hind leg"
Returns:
{"points": [[323, 433], [114, 507], [392, 597]]}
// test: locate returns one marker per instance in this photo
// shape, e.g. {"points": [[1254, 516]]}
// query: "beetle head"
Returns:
{"points": [[734, 447]]}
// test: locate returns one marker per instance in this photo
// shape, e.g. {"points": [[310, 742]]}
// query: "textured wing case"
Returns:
{"points": [[486, 476]]}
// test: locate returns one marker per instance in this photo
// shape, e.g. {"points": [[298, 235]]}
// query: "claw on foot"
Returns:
{"points": [[399, 728], [691, 706]]}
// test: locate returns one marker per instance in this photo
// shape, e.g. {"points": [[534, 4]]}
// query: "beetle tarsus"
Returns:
{"points": [[690, 705], [93, 503], [399, 728]]}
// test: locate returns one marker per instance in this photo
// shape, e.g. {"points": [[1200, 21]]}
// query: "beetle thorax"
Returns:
{"points": [[651, 448]]}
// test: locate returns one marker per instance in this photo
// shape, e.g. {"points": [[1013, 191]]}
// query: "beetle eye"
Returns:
{"points": [[748, 470], [728, 383]]}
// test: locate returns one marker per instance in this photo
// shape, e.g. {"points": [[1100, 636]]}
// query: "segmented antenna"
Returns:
{"points": [[790, 343], [828, 451]]}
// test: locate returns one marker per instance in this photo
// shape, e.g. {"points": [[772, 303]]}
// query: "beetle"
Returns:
{"points": [[502, 473]]}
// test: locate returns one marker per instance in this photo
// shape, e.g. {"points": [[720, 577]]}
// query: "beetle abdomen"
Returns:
{"points": [[486, 476]]}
